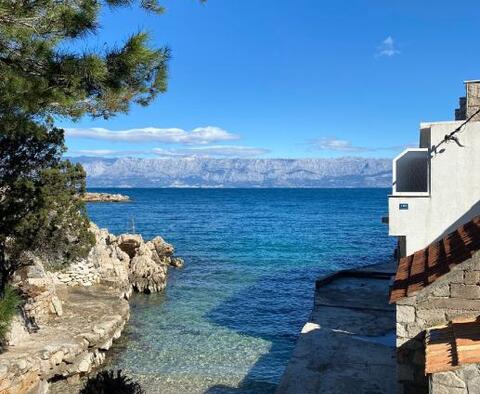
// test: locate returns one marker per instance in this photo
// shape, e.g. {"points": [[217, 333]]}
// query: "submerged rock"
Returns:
{"points": [[177, 262]]}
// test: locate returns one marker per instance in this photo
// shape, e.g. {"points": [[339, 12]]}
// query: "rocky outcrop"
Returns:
{"points": [[126, 262], [149, 262], [146, 275], [104, 197], [71, 317]]}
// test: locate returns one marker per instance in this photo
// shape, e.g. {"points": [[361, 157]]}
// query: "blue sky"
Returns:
{"points": [[290, 79]]}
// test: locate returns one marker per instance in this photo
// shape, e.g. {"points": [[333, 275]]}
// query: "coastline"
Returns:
{"points": [[223, 293], [70, 318], [348, 342]]}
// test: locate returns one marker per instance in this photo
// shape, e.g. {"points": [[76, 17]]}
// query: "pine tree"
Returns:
{"points": [[43, 78]]}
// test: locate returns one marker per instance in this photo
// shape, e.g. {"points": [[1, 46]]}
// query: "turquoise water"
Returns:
{"points": [[228, 321]]}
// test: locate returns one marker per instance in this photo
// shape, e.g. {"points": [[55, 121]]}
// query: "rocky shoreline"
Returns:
{"points": [[104, 197], [70, 318]]}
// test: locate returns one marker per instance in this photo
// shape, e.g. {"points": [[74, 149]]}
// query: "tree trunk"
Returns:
{"points": [[4, 271]]}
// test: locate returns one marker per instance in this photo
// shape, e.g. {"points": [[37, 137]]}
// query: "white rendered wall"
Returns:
{"points": [[411, 171], [454, 189]]}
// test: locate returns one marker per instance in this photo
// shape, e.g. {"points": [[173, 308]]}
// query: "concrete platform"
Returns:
{"points": [[348, 344]]}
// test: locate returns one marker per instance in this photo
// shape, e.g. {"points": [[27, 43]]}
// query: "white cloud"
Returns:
{"points": [[339, 145], [105, 152], [198, 136], [388, 48], [166, 152], [219, 151], [213, 151]]}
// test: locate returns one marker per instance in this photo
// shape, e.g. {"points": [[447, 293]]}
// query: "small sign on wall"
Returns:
{"points": [[403, 207]]}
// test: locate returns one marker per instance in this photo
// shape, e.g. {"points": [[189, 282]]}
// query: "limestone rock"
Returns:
{"points": [[144, 250], [161, 247], [448, 379], [129, 243], [60, 348], [56, 306], [123, 262], [18, 331], [146, 275]]}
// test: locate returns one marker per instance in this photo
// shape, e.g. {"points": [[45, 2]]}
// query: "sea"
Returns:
{"points": [[228, 321]]}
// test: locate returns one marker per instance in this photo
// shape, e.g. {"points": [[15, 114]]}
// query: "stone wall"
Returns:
{"points": [[41, 301], [465, 380], [106, 262], [469, 104], [83, 273], [456, 293], [473, 99]]}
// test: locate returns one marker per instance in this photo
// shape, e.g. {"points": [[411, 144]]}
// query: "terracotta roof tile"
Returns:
{"points": [[425, 266], [449, 347]]}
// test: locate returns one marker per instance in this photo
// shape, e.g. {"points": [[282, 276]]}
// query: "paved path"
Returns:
{"points": [[348, 344]]}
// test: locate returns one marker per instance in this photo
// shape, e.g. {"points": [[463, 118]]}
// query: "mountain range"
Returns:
{"points": [[230, 173]]}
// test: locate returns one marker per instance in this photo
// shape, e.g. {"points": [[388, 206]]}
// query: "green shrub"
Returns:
{"points": [[8, 306], [111, 382]]}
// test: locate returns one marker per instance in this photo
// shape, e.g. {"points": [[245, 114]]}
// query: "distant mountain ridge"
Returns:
{"points": [[231, 173]]}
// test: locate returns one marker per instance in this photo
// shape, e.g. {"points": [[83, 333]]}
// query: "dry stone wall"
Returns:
{"points": [[455, 294], [83, 273], [37, 287]]}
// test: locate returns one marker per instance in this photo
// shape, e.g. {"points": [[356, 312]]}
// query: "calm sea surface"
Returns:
{"points": [[228, 321]]}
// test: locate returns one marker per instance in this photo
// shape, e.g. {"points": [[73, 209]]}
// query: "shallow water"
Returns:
{"points": [[228, 321]]}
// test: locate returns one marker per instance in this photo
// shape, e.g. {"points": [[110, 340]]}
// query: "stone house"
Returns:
{"points": [[437, 294], [434, 210]]}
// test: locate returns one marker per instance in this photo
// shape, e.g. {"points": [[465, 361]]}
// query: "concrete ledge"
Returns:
{"points": [[348, 343]]}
